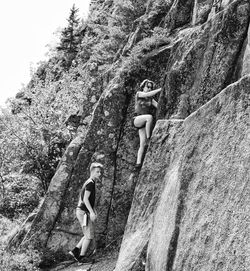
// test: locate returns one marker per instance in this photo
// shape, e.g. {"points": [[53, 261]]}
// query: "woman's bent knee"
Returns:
{"points": [[149, 118]]}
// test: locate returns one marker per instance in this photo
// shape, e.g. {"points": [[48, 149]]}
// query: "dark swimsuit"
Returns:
{"points": [[143, 106]]}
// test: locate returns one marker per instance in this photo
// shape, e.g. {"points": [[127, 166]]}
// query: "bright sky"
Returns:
{"points": [[26, 27]]}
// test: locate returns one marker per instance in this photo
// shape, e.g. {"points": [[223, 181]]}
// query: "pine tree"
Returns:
{"points": [[70, 36]]}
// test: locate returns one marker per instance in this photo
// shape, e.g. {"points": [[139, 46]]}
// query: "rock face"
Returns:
{"points": [[246, 55], [46, 218], [191, 203], [203, 52], [203, 61]]}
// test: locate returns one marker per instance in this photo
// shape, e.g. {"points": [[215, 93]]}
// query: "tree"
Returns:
{"points": [[35, 134], [70, 36]]}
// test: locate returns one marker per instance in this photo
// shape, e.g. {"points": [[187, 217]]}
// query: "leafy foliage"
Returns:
{"points": [[21, 195], [36, 133], [128, 12], [27, 260], [24, 260]]}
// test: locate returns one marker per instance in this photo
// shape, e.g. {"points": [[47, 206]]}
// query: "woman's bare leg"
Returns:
{"points": [[149, 123], [146, 120], [142, 135]]}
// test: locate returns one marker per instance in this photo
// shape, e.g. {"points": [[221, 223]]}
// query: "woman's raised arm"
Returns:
{"points": [[151, 93]]}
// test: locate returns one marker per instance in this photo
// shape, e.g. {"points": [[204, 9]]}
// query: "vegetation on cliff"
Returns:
{"points": [[78, 104], [45, 115], [57, 103]]}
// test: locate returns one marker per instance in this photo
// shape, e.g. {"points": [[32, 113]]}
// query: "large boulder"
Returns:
{"points": [[191, 203]]}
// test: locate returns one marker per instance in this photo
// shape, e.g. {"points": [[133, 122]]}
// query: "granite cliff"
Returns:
{"points": [[190, 202]]}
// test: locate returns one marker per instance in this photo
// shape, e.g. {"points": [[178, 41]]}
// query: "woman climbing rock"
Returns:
{"points": [[143, 119]]}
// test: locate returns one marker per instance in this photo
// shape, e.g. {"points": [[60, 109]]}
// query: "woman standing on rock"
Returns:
{"points": [[143, 119]]}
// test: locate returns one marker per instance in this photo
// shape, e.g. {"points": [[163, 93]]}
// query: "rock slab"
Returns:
{"points": [[191, 204]]}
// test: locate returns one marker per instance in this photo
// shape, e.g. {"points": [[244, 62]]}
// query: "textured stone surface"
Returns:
{"points": [[191, 202], [45, 221], [146, 194], [100, 143], [196, 65], [203, 62], [246, 57], [179, 14]]}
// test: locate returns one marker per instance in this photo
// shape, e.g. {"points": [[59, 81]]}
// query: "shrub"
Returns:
{"points": [[19, 261], [16, 260], [21, 196]]}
